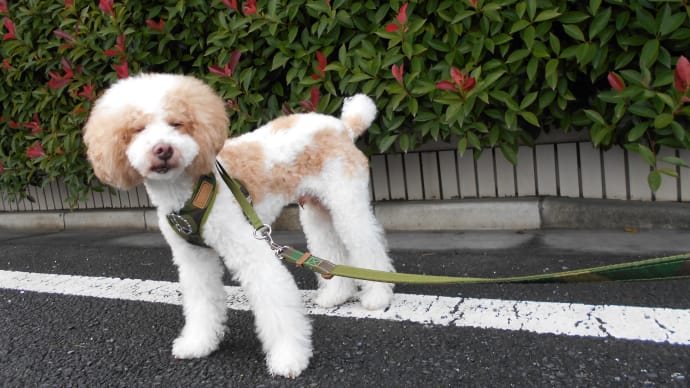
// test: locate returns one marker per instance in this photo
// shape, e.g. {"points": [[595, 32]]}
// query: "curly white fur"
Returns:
{"points": [[166, 130]]}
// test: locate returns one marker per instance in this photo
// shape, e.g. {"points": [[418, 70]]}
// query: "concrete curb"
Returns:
{"points": [[479, 214]]}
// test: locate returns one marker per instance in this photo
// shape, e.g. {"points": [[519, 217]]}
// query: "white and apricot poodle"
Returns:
{"points": [[168, 130]]}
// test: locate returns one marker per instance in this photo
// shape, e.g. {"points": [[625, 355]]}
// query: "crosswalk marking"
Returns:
{"points": [[663, 325]]}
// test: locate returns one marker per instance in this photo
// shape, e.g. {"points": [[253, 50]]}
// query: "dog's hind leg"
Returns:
{"points": [[203, 300], [323, 241], [354, 221]]}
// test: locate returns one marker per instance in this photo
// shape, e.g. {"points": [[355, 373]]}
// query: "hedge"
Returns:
{"points": [[479, 74]]}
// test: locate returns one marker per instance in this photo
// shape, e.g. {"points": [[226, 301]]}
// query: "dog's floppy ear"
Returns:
{"points": [[202, 113], [107, 135]]}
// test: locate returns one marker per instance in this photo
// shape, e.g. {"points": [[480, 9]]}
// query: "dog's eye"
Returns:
{"points": [[139, 129], [176, 124]]}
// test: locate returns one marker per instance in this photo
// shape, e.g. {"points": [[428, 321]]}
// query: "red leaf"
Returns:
{"points": [[398, 72], [34, 125], [57, 83], [457, 76], [63, 35], [217, 70], [469, 84], [315, 97], [120, 42], [446, 85], [122, 69], [3, 6], [249, 7], [323, 62], [232, 4], [35, 151], [2, 168], [616, 81], [232, 105], [106, 6], [6, 64], [308, 105], [158, 26], [119, 47], [67, 67], [681, 75], [234, 60], [392, 27], [68, 3], [87, 92], [473, 3], [402, 15], [10, 28]]}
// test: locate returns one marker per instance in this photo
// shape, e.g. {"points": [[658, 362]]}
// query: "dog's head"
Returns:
{"points": [[155, 126]]}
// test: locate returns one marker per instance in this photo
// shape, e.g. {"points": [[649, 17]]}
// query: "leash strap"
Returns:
{"points": [[241, 195], [671, 267], [189, 221]]}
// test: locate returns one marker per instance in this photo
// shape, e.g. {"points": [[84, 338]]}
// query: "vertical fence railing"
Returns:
{"points": [[575, 170]]}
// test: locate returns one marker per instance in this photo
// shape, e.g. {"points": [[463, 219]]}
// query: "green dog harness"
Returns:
{"points": [[188, 222]]}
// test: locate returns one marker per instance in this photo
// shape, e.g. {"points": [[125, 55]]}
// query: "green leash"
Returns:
{"points": [[671, 267]]}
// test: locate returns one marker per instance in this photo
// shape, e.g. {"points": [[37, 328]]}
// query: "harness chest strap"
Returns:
{"points": [[188, 222]]}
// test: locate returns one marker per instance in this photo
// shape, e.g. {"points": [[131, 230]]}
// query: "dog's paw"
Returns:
{"points": [[288, 361], [376, 296], [187, 346], [335, 292]]}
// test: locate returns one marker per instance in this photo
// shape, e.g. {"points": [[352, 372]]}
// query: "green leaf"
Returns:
{"points": [[654, 180], [638, 131], [600, 21], [594, 6], [517, 55], [663, 120], [676, 161], [474, 140], [668, 171], [530, 118], [595, 117], [646, 154], [670, 22], [510, 153], [551, 73], [462, 146], [646, 21], [518, 26], [574, 32], [547, 14], [528, 100], [531, 8], [386, 142], [649, 53]]}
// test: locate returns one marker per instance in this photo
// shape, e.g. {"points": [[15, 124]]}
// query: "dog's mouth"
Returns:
{"points": [[162, 168]]}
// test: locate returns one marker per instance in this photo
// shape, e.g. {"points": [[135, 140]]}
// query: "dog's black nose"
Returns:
{"points": [[163, 151]]}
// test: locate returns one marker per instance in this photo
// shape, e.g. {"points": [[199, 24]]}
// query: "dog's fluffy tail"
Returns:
{"points": [[359, 111]]}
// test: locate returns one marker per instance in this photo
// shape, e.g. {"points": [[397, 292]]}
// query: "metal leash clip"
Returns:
{"points": [[264, 233]]}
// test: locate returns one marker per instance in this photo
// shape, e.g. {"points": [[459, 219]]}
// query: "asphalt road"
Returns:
{"points": [[58, 340]]}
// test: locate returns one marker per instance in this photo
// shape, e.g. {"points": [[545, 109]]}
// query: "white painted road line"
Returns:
{"points": [[662, 325]]}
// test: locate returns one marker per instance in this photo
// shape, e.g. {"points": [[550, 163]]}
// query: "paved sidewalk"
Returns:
{"points": [[472, 214], [633, 242]]}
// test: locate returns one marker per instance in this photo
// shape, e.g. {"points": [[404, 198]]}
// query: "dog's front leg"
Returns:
{"points": [[280, 317], [203, 300]]}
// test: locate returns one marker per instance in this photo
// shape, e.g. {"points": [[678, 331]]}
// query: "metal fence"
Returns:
{"points": [[575, 169]]}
